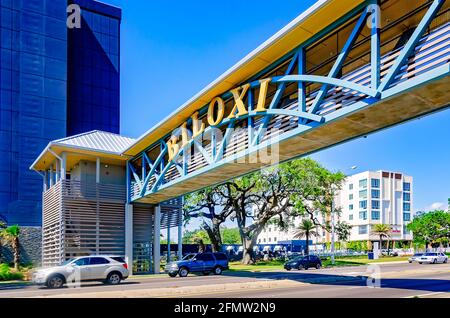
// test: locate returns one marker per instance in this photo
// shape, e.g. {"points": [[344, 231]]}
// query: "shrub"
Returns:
{"points": [[7, 274]]}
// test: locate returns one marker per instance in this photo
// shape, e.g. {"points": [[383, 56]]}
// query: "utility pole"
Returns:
{"points": [[332, 227]]}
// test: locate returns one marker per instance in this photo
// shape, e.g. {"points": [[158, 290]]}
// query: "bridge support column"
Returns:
{"points": [[157, 240], [180, 241], [168, 243], [129, 237]]}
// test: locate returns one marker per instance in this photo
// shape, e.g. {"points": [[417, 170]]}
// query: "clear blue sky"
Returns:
{"points": [[172, 49]]}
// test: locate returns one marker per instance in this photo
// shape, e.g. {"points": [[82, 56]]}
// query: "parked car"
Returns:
{"points": [[389, 252], [108, 269], [415, 257], [198, 263], [303, 262], [433, 258]]}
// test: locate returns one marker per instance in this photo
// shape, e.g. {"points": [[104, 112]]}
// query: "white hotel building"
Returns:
{"points": [[366, 198]]}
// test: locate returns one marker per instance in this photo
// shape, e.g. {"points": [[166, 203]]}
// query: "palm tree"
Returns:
{"points": [[306, 229], [11, 235], [382, 230]]}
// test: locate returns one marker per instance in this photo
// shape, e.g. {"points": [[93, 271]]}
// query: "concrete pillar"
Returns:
{"points": [[63, 165], [57, 171], [180, 241], [129, 236], [168, 242], [97, 171], [157, 240], [52, 178], [45, 181]]}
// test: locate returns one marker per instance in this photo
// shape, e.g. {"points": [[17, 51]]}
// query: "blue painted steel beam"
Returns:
{"points": [[375, 46], [250, 121], [275, 101], [225, 140], [411, 44], [329, 81], [156, 165], [340, 60], [301, 89]]}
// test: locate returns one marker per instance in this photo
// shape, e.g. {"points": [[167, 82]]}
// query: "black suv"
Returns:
{"points": [[303, 262], [198, 263]]}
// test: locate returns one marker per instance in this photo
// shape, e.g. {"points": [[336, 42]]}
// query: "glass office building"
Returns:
{"points": [[93, 78], [49, 89]]}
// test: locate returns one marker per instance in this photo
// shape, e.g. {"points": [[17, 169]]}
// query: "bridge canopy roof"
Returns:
{"points": [[319, 16], [96, 143]]}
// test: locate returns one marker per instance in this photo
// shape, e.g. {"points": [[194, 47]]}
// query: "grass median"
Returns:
{"points": [[275, 265]]}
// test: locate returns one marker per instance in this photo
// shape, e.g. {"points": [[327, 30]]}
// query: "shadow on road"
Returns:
{"points": [[421, 284]]}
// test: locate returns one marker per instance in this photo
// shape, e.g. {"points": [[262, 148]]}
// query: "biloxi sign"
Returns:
{"points": [[216, 115]]}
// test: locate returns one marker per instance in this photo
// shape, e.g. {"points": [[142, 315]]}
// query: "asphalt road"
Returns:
{"points": [[397, 280]]}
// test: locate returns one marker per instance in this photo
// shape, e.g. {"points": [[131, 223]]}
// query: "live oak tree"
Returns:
{"points": [[209, 206], [297, 188], [317, 188], [256, 199], [431, 227]]}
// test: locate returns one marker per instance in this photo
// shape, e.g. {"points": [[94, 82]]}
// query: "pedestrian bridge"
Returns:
{"points": [[339, 71]]}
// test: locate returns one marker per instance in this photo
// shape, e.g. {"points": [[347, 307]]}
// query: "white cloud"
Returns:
{"points": [[436, 206]]}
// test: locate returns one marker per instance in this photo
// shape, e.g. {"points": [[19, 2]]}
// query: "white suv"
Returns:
{"points": [[109, 269], [433, 258]]}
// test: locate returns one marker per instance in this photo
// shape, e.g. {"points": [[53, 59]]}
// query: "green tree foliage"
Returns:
{"points": [[431, 227], [318, 187], [343, 231], [230, 235], [192, 237], [11, 235], [6, 274], [357, 245]]}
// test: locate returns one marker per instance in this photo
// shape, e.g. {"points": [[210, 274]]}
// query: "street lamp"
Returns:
{"points": [[333, 189]]}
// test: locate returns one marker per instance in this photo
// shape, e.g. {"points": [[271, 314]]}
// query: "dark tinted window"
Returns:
{"points": [[82, 261], [220, 256], [205, 257], [119, 259], [98, 261]]}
